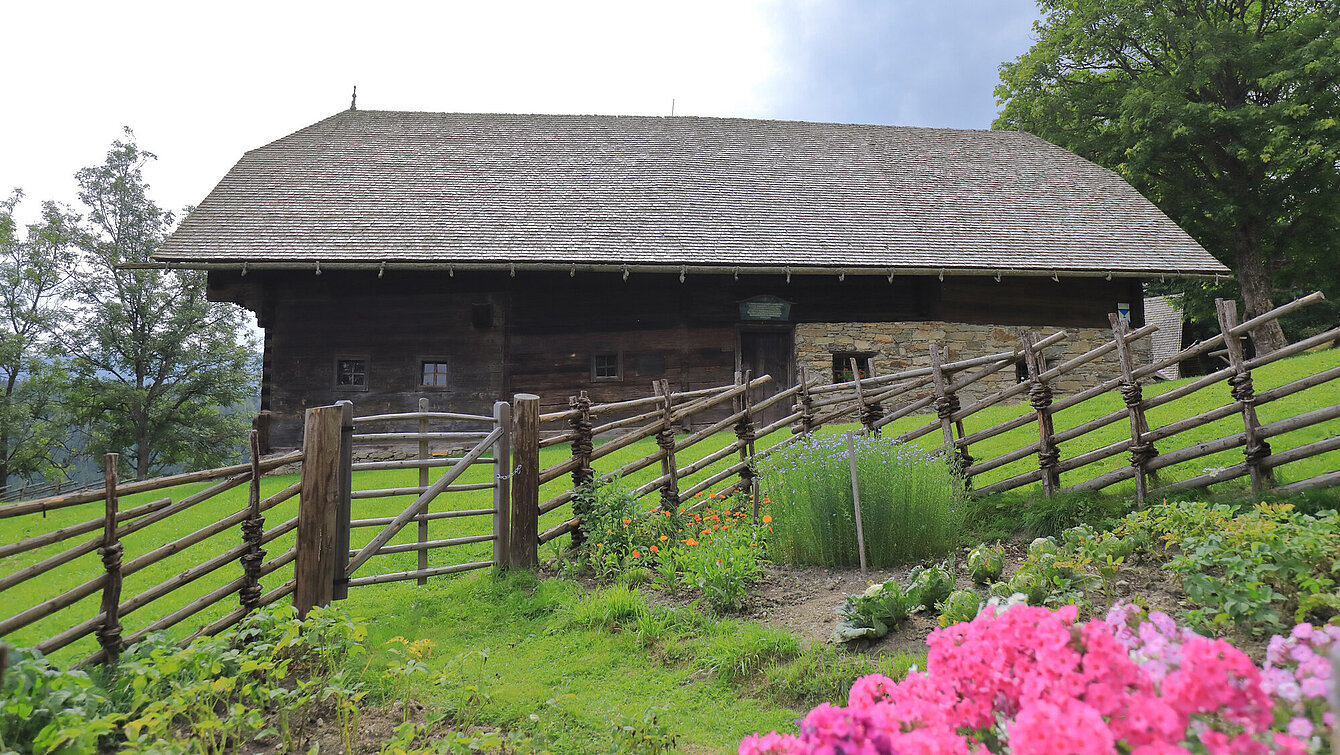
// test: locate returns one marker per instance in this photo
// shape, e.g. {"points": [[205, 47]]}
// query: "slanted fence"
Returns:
{"points": [[322, 563]]}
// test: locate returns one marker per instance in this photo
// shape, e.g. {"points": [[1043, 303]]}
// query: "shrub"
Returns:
{"points": [[613, 526], [911, 502]]}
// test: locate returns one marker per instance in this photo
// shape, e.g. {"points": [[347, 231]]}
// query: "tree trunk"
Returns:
{"points": [[1258, 294]]}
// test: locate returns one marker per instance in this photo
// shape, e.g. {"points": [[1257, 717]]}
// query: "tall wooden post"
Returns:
{"points": [[805, 406], [744, 435], [345, 511], [109, 632], [502, 485], [665, 440], [1257, 449], [253, 530], [525, 535], [1142, 451], [318, 556], [1040, 396], [582, 446], [422, 518], [946, 404]]}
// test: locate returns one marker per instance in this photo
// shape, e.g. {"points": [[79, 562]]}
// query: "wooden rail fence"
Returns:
{"points": [[508, 444]]}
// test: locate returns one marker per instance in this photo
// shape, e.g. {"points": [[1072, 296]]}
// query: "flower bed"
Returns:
{"points": [[1034, 680]]}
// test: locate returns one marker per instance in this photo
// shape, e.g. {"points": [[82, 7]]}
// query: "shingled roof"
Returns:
{"points": [[374, 187]]}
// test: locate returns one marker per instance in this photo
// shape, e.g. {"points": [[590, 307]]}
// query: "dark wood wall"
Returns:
{"points": [[538, 332]]}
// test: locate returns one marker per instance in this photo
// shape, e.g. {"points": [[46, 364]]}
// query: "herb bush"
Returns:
{"points": [[911, 502]]}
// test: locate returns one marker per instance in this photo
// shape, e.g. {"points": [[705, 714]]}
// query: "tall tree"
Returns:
{"points": [[1225, 113], [33, 270], [157, 364]]}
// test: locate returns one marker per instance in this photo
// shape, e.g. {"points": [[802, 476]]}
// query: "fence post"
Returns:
{"points": [[502, 484], [744, 434], [582, 446], [423, 483], [866, 413], [805, 405], [1142, 452], [665, 440], [345, 513], [253, 530], [1257, 449], [109, 632], [319, 507], [524, 537], [946, 404], [1040, 396]]}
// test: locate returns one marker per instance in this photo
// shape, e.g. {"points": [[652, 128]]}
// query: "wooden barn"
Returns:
{"points": [[392, 255]]}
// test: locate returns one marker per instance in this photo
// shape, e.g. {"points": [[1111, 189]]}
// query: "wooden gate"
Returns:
{"points": [[329, 515]]}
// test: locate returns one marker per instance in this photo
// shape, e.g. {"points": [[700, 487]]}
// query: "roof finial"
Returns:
{"points": [[353, 101]]}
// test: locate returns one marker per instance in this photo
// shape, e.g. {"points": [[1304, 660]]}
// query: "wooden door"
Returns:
{"points": [[769, 352]]}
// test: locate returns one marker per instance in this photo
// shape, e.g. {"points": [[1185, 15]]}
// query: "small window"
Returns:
{"points": [[842, 365], [351, 374], [606, 368], [433, 374]]}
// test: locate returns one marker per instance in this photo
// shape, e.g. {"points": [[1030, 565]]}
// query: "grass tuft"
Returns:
{"points": [[911, 504]]}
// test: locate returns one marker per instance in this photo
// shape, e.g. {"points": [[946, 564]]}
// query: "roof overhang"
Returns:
{"points": [[317, 267]]}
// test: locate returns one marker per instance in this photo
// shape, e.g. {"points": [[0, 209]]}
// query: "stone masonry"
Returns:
{"points": [[901, 345]]}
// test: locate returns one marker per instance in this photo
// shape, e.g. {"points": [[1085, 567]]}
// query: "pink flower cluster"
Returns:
{"points": [[1032, 680], [1295, 676]]}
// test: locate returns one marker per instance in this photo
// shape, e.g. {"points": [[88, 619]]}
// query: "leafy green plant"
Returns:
{"points": [[872, 613], [911, 502], [47, 710], [646, 737], [613, 527], [960, 606], [986, 563], [930, 586]]}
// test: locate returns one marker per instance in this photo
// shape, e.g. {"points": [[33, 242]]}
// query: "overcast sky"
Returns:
{"points": [[201, 83]]}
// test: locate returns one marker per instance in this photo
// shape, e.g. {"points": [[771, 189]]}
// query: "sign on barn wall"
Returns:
{"points": [[765, 308]]}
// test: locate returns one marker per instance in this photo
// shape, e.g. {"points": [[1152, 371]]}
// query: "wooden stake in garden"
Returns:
{"points": [[1040, 396], [1256, 449], [856, 498], [109, 633], [1142, 451]]}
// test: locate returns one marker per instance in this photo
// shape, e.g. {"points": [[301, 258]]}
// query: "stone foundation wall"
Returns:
{"points": [[901, 345]]}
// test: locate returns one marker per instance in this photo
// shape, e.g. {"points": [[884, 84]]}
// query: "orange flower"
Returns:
{"points": [[636, 554], [767, 519], [663, 539], [718, 560], [654, 549], [628, 521], [667, 513], [690, 542], [705, 532]]}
